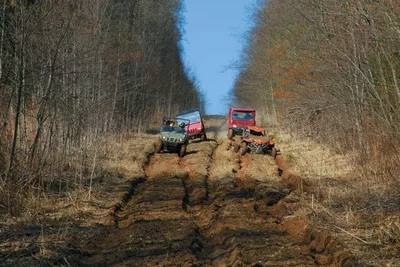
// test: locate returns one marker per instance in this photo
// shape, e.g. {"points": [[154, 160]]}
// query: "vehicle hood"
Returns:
{"points": [[256, 129], [260, 140], [173, 135]]}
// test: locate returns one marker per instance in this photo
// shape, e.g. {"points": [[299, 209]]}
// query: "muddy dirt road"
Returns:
{"points": [[212, 207], [209, 208]]}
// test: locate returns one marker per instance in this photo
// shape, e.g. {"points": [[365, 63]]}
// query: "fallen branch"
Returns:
{"points": [[356, 237]]}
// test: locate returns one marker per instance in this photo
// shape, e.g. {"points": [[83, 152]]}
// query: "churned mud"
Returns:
{"points": [[209, 208]]}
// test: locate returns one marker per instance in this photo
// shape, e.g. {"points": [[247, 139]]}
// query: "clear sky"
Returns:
{"points": [[212, 42]]}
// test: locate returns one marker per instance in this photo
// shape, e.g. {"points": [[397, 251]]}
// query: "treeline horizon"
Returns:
{"points": [[74, 71], [329, 70]]}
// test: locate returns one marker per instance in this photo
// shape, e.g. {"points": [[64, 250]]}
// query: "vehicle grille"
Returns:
{"points": [[170, 139]]}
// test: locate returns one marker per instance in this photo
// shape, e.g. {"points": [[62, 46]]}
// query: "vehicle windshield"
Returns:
{"points": [[242, 115], [170, 129], [193, 117]]}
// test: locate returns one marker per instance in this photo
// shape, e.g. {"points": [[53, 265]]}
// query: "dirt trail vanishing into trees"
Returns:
{"points": [[210, 208]]}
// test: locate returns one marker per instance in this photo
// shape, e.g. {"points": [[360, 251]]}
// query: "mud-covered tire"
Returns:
{"points": [[159, 146], [230, 133], [274, 152], [243, 148], [182, 151], [236, 148], [203, 137]]}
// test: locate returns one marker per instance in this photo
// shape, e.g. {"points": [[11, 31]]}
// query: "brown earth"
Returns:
{"points": [[209, 208]]}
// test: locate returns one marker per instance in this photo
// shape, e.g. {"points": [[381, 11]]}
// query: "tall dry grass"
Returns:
{"points": [[69, 202], [358, 201], [81, 176]]}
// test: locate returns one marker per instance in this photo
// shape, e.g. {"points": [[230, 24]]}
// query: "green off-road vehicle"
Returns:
{"points": [[173, 138]]}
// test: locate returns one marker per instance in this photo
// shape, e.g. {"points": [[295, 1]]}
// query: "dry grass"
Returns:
{"points": [[128, 155], [77, 197], [311, 160], [359, 204]]}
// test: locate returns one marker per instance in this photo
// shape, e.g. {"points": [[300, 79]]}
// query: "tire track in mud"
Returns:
{"points": [[209, 208], [236, 228], [152, 223], [131, 191], [126, 199], [154, 227]]}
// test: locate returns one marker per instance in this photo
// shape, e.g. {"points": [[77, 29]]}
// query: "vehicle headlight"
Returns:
{"points": [[199, 128], [164, 137], [181, 140]]}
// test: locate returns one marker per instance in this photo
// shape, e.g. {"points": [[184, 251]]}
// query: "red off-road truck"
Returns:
{"points": [[239, 119], [196, 128]]}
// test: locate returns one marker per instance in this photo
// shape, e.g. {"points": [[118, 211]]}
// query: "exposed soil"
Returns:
{"points": [[209, 208]]}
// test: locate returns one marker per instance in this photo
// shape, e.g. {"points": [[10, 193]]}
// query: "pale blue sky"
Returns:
{"points": [[212, 42]]}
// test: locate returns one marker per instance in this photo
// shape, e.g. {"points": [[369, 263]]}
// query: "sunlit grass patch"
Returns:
{"points": [[357, 203], [311, 160]]}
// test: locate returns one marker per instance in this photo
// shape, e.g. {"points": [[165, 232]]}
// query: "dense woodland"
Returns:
{"points": [[81, 81], [330, 70], [73, 71]]}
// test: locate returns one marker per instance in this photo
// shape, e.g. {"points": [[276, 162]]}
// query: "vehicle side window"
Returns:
{"points": [[193, 117]]}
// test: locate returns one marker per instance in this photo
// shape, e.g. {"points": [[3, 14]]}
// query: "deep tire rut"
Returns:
{"points": [[234, 205], [205, 209], [186, 198], [128, 196]]}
